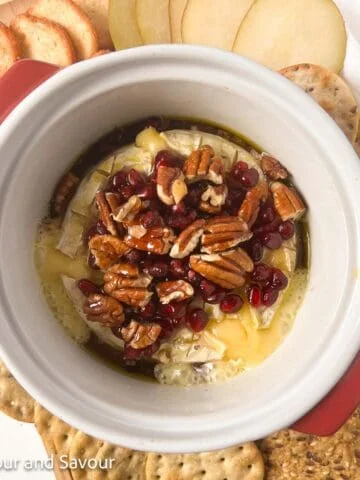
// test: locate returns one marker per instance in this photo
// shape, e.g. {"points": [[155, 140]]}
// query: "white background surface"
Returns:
{"points": [[20, 442]]}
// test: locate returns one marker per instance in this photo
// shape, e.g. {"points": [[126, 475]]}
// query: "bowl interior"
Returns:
{"points": [[74, 109]]}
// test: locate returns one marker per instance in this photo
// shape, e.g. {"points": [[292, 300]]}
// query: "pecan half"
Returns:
{"points": [[174, 291], [104, 309], [287, 201], [156, 240], [227, 269], [105, 213], [64, 192], [273, 168], [188, 239], [107, 250], [138, 335], [213, 198], [127, 212], [171, 187], [250, 207], [202, 165], [222, 233], [127, 284]]}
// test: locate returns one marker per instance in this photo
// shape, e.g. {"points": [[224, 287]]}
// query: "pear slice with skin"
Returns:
{"points": [[153, 20], [123, 26], [176, 9]]}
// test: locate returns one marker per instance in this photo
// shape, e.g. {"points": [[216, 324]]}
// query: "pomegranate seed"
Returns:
{"points": [[134, 256], [133, 354], [255, 250], [267, 214], [151, 219], [179, 209], [272, 240], [286, 230], [194, 278], [90, 233], [148, 312], [254, 295], [181, 221], [216, 297], [234, 200], [166, 325], [238, 168], [135, 179], [100, 228], [148, 192], [261, 273], [278, 279], [158, 269], [197, 319], [248, 178], [127, 192], [87, 287], [231, 303], [175, 311], [118, 180], [269, 296], [207, 288], [164, 158], [178, 268]]}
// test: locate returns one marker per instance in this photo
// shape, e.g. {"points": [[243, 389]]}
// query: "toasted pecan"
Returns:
{"points": [[287, 201], [213, 198], [104, 309], [126, 212], [105, 213], [201, 164], [156, 240], [171, 187], [226, 269], [273, 168], [64, 192], [250, 207], [188, 239], [174, 291], [107, 250], [126, 283], [224, 232], [138, 335]]}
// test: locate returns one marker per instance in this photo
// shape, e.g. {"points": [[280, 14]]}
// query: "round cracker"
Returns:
{"points": [[78, 25], [44, 40], [330, 92], [98, 12], [14, 400], [290, 455], [123, 464], [243, 462], [83, 447], [9, 49], [100, 53]]}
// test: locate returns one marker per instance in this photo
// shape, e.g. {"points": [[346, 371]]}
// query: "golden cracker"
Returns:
{"points": [[127, 464], [98, 12], [83, 447], [99, 53], [243, 462], [291, 455], [330, 92], [9, 49], [78, 25], [14, 400], [44, 40]]}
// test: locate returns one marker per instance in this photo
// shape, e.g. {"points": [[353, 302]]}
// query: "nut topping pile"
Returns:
{"points": [[188, 234]]}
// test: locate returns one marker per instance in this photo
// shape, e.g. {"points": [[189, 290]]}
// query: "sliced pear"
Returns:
{"points": [[132, 156], [176, 9], [104, 334], [187, 347], [185, 374], [153, 20], [205, 22], [123, 26], [150, 140], [278, 33], [86, 192], [71, 239]]}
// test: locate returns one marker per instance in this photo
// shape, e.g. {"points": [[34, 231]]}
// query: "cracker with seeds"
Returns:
{"points": [[243, 462], [330, 92], [83, 447], [44, 40], [78, 25], [14, 400], [125, 464], [9, 49], [98, 12], [291, 456]]}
